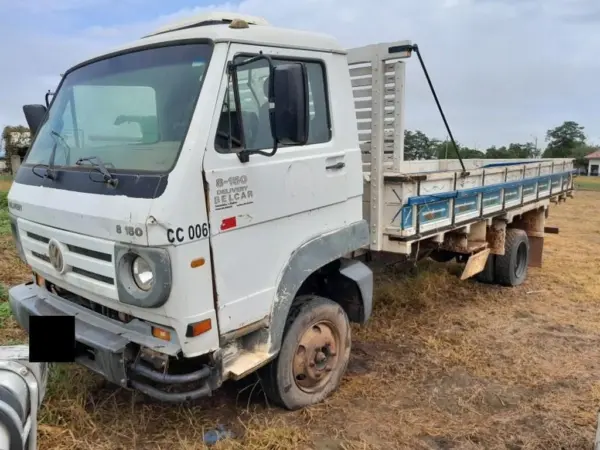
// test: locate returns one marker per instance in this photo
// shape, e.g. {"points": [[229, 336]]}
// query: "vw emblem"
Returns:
{"points": [[56, 256]]}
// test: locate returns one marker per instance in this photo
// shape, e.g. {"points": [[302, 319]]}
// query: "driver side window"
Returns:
{"points": [[247, 124]]}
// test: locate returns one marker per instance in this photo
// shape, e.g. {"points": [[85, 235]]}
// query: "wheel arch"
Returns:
{"points": [[316, 260]]}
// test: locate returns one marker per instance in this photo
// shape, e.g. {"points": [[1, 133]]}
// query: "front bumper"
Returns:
{"points": [[110, 348]]}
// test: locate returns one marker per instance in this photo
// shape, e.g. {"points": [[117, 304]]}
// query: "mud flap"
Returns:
{"points": [[475, 264], [536, 251]]}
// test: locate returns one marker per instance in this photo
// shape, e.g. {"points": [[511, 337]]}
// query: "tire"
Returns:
{"points": [[487, 275], [442, 256], [313, 357], [511, 268]]}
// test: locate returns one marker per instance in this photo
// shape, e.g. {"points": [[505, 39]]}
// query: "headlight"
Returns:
{"points": [[142, 273]]}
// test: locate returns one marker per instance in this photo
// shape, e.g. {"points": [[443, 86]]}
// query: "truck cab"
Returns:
{"points": [[191, 198]]}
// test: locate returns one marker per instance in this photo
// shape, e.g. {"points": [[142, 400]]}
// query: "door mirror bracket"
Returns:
{"points": [[288, 103]]}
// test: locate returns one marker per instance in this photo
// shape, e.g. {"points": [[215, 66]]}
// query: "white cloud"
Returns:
{"points": [[45, 6], [504, 69]]}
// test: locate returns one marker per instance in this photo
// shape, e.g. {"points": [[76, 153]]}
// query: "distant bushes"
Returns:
{"points": [[3, 201], [16, 142], [4, 217]]}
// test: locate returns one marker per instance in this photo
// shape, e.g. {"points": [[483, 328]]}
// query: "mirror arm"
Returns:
{"points": [[231, 66], [47, 96], [244, 155], [263, 153]]}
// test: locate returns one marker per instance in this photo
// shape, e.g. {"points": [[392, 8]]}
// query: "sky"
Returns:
{"points": [[504, 70]]}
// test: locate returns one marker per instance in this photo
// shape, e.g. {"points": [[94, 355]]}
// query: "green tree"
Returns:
{"points": [[496, 152], [16, 140], [523, 151], [417, 146], [471, 153], [445, 150], [564, 140], [514, 150]]}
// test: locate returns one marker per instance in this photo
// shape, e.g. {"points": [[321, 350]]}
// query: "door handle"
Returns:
{"points": [[336, 166]]}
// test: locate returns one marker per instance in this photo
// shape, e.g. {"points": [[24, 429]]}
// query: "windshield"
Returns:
{"points": [[131, 110]]}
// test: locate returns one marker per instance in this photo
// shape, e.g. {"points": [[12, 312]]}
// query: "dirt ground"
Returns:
{"points": [[443, 364]]}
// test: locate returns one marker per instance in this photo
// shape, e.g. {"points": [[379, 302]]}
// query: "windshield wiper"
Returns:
{"points": [[50, 167], [62, 140], [97, 162]]}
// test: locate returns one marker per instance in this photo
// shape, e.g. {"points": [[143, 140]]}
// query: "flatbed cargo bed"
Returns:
{"points": [[409, 201]]}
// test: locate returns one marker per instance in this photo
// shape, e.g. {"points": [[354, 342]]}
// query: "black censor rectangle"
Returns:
{"points": [[51, 339]]}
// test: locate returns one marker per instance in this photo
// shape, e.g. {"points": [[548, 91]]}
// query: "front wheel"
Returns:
{"points": [[314, 354]]}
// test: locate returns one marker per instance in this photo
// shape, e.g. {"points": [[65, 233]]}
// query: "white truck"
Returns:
{"points": [[202, 201]]}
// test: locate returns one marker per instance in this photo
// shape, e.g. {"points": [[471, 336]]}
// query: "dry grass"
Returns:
{"points": [[5, 182], [588, 183], [442, 364]]}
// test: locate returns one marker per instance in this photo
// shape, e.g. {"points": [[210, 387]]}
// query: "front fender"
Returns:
{"points": [[362, 276], [308, 258]]}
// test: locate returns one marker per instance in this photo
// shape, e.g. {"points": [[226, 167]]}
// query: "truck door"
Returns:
{"points": [[262, 210]]}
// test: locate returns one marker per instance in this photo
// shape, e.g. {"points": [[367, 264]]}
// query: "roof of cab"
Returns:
{"points": [[216, 27]]}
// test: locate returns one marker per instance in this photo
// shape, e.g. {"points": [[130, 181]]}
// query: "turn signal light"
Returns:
{"points": [[196, 329], [161, 333], [39, 280], [198, 262]]}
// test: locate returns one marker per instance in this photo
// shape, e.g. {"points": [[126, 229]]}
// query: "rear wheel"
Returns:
{"points": [[511, 268], [442, 256], [487, 275], [314, 354]]}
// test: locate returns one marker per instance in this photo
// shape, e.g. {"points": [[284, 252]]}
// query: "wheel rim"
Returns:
{"points": [[521, 264], [316, 356]]}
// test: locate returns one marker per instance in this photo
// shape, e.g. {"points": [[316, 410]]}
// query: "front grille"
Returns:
{"points": [[37, 237], [91, 253], [74, 248], [88, 304], [95, 276], [41, 256], [89, 260]]}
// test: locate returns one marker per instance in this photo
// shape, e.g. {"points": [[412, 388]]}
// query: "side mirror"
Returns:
{"points": [[290, 117], [34, 114]]}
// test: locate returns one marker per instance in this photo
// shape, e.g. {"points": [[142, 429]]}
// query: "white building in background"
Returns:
{"points": [[593, 164]]}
